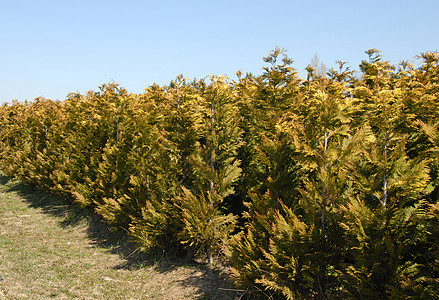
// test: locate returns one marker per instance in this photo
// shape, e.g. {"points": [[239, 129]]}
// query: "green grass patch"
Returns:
{"points": [[52, 249]]}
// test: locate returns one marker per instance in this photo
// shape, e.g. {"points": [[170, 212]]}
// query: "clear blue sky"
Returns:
{"points": [[51, 48]]}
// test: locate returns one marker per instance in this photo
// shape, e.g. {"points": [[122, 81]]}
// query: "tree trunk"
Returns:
{"points": [[212, 154], [210, 257], [385, 166]]}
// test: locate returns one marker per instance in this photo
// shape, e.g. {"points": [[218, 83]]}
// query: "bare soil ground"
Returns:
{"points": [[52, 249]]}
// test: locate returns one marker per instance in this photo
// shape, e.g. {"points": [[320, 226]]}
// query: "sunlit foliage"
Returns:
{"points": [[325, 187]]}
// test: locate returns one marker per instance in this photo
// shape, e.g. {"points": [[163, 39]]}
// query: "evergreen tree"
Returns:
{"points": [[300, 241], [216, 169], [167, 139], [384, 222]]}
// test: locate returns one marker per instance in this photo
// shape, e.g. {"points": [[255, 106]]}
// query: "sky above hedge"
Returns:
{"points": [[51, 48]]}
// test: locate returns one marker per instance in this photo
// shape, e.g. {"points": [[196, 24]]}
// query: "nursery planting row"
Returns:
{"points": [[324, 187]]}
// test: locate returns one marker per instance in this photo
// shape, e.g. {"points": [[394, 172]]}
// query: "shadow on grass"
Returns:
{"points": [[212, 285], [4, 179]]}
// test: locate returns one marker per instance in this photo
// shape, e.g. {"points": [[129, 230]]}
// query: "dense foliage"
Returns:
{"points": [[319, 188]]}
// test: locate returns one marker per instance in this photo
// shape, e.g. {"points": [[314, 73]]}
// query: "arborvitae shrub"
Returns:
{"points": [[324, 187]]}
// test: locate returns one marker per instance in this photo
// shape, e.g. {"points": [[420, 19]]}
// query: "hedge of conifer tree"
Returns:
{"points": [[319, 188]]}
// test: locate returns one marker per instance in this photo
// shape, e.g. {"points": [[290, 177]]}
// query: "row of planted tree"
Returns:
{"points": [[318, 188]]}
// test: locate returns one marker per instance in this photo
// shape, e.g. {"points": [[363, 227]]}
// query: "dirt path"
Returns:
{"points": [[50, 249]]}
